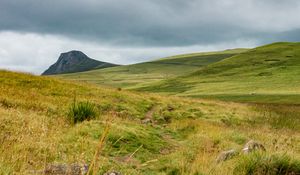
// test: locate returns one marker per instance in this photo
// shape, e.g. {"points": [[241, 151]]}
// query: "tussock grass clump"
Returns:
{"points": [[81, 111], [264, 164], [280, 116]]}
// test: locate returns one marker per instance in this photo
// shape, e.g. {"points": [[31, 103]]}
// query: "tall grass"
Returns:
{"points": [[263, 164], [280, 116], [94, 164]]}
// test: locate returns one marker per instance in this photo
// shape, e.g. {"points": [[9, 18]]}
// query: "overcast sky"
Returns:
{"points": [[33, 33]]}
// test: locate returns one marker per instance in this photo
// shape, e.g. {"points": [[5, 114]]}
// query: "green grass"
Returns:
{"points": [[264, 74], [255, 98], [185, 136], [228, 51], [138, 75]]}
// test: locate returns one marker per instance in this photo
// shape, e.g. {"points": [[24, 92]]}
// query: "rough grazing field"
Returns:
{"points": [[267, 74], [182, 136], [139, 75]]}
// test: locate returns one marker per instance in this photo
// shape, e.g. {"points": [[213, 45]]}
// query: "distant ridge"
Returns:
{"points": [[227, 51], [75, 61], [141, 74]]}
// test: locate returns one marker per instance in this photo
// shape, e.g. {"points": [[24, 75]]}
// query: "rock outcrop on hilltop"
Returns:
{"points": [[75, 61]]}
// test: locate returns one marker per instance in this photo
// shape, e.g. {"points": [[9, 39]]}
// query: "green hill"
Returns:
{"points": [[147, 134], [228, 51], [138, 75], [265, 74]]}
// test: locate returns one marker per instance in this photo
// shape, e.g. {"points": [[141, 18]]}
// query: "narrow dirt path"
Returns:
{"points": [[149, 114], [148, 118]]}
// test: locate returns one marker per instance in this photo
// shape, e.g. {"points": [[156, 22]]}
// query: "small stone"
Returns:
{"points": [[113, 173], [71, 169], [226, 155], [170, 108], [146, 121], [253, 146]]}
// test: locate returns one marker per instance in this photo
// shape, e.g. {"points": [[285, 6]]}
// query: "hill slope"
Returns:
{"points": [[75, 61], [137, 75], [262, 74], [184, 136]]}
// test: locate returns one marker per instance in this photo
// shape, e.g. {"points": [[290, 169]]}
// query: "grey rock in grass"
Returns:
{"points": [[113, 173], [62, 169], [146, 121], [252, 146], [226, 155]]}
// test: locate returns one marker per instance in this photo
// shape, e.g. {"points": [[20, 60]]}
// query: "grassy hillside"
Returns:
{"points": [[185, 135], [138, 75], [228, 51], [265, 74]]}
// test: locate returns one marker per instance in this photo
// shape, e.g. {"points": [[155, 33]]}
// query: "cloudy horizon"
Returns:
{"points": [[33, 33]]}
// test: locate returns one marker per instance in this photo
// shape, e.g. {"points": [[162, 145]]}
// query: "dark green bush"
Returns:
{"points": [[263, 164], [81, 111]]}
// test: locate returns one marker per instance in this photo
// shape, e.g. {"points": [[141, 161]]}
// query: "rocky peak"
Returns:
{"points": [[74, 61], [73, 55]]}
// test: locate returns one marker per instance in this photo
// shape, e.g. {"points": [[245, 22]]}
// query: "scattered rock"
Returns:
{"points": [[248, 148], [146, 121], [253, 146], [170, 108], [113, 173], [63, 169], [128, 159], [165, 151], [226, 155]]}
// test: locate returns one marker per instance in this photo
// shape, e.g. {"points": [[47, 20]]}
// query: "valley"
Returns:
{"points": [[139, 75], [176, 115], [267, 74]]}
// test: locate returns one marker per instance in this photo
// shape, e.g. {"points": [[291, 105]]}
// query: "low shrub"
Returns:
{"points": [[81, 111]]}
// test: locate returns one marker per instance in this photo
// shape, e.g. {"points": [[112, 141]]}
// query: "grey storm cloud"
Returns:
{"points": [[34, 32], [155, 22]]}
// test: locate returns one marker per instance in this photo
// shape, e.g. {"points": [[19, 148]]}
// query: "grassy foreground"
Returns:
{"points": [[185, 136]]}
